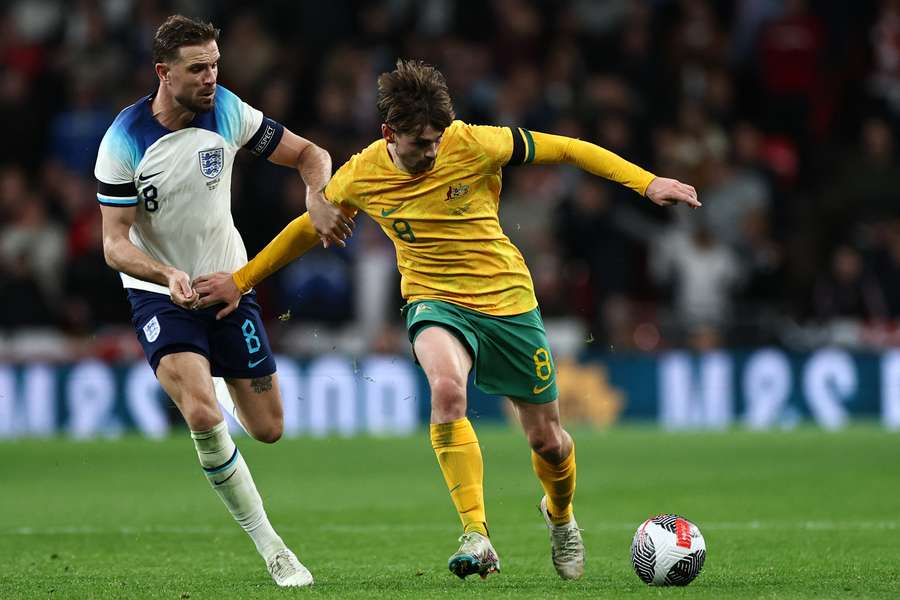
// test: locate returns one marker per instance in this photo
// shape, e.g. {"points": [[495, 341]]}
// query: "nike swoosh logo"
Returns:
{"points": [[146, 177], [226, 479], [385, 212], [251, 364], [537, 390]]}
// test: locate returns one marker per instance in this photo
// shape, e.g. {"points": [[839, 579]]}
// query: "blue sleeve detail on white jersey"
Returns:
{"points": [[228, 115], [121, 202], [122, 146], [125, 142]]}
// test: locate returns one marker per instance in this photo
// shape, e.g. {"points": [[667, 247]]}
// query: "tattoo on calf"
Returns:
{"points": [[261, 384]]}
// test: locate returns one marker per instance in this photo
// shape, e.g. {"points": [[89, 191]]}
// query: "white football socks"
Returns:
{"points": [[230, 478]]}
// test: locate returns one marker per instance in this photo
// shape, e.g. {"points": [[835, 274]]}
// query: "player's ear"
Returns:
{"points": [[387, 133], [162, 71]]}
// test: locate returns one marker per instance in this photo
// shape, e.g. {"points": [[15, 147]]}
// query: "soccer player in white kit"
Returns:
{"points": [[164, 187]]}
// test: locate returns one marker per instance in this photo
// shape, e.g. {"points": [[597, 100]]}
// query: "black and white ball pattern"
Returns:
{"points": [[668, 550]]}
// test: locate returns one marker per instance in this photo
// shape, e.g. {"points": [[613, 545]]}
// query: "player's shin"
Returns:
{"points": [[230, 478], [558, 482], [459, 457]]}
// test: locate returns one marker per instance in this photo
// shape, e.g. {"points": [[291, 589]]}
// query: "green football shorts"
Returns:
{"points": [[510, 355]]}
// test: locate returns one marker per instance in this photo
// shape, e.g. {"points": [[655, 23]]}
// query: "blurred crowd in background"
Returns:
{"points": [[784, 114]]}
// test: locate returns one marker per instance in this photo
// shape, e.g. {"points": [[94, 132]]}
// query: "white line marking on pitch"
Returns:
{"points": [[381, 528]]}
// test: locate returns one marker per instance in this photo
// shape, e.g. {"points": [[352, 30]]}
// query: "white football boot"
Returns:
{"points": [[566, 546], [475, 555], [287, 571]]}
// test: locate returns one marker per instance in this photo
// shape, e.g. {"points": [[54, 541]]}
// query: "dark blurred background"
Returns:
{"points": [[783, 114]]}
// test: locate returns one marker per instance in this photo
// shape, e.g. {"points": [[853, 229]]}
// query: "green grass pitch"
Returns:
{"points": [[803, 514]]}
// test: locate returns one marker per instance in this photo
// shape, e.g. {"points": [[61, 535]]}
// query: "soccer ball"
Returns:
{"points": [[668, 550]]}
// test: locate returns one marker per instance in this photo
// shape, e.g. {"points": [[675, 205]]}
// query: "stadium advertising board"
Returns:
{"points": [[387, 395]]}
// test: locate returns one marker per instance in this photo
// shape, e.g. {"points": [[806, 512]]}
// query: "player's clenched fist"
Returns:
{"points": [[180, 288]]}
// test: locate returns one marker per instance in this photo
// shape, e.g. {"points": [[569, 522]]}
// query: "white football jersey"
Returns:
{"points": [[180, 182]]}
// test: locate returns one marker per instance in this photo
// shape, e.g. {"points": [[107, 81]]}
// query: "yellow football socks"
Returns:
{"points": [[558, 482], [459, 456]]}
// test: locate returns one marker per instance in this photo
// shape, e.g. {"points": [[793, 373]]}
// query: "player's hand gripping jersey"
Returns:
{"points": [[180, 182], [444, 222]]}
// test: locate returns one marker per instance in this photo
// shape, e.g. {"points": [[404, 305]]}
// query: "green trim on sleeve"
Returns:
{"points": [[529, 155]]}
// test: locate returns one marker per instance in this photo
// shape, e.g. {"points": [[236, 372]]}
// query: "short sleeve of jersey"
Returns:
{"points": [[242, 125], [117, 159], [237, 120], [340, 190], [495, 142]]}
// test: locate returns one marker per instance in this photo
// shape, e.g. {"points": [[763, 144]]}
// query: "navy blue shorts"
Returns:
{"points": [[236, 347]]}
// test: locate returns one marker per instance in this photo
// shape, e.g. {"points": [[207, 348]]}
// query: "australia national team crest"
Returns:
{"points": [[457, 191], [456, 199], [211, 162]]}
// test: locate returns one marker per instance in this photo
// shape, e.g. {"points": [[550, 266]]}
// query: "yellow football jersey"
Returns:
{"points": [[444, 222]]}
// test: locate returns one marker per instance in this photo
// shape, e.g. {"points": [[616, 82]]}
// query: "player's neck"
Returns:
{"points": [[170, 114]]}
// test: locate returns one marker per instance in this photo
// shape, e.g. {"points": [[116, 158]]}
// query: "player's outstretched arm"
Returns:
{"points": [[124, 256], [545, 148], [314, 165], [223, 287]]}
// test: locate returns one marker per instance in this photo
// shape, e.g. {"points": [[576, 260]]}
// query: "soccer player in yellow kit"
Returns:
{"points": [[433, 185]]}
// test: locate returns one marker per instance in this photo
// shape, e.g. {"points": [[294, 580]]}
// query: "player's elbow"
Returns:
{"points": [[314, 155], [110, 255], [321, 153]]}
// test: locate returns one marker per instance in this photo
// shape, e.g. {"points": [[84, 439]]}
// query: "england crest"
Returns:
{"points": [[211, 162], [152, 329]]}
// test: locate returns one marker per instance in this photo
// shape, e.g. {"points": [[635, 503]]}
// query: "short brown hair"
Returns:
{"points": [[178, 31], [413, 96]]}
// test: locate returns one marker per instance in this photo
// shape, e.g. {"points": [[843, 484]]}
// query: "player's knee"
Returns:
{"points": [[269, 433], [448, 390], [549, 444], [448, 398], [200, 416], [268, 436]]}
